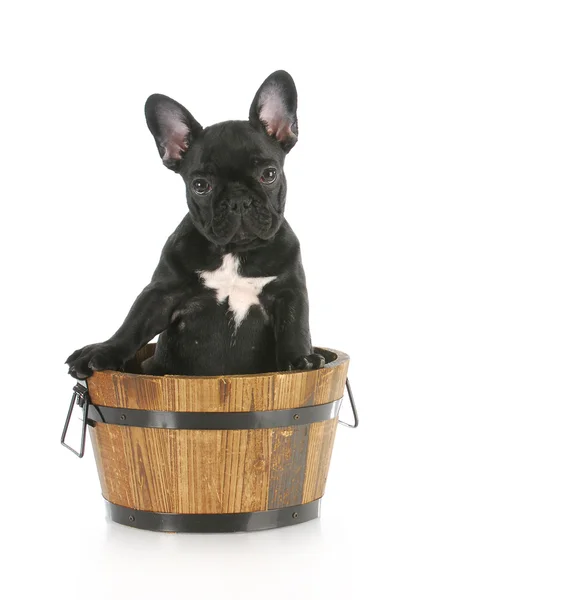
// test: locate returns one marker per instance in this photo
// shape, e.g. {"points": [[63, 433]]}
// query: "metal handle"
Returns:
{"points": [[82, 399], [353, 407]]}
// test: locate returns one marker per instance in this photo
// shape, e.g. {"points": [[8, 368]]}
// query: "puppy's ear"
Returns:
{"points": [[274, 109], [173, 128]]}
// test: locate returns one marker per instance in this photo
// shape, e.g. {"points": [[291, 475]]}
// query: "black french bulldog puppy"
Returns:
{"points": [[229, 294]]}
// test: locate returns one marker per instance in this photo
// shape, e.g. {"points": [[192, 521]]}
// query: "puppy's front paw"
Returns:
{"points": [[95, 357], [308, 362]]}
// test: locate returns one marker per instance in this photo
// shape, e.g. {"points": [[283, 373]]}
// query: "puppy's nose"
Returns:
{"points": [[239, 204]]}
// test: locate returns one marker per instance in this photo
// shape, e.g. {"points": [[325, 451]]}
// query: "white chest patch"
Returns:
{"points": [[240, 292]]}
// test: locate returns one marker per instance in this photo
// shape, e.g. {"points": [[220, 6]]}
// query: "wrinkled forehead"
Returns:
{"points": [[233, 147]]}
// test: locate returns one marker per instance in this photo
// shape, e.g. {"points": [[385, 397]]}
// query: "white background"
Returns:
{"points": [[427, 190]]}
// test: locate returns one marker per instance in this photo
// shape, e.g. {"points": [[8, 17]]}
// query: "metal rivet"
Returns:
{"points": [[131, 518], [295, 515], [122, 417], [296, 417]]}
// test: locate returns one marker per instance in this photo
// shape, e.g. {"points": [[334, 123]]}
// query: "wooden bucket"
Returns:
{"points": [[214, 454]]}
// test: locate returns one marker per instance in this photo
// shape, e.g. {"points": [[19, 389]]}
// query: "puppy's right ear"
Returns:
{"points": [[173, 128]]}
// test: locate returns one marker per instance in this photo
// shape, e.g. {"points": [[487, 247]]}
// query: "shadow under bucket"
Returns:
{"points": [[213, 454]]}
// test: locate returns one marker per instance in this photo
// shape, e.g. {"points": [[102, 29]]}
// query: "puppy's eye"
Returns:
{"points": [[269, 175], [201, 186]]}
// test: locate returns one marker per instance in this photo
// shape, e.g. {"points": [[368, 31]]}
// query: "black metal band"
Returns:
{"points": [[264, 419], [213, 523]]}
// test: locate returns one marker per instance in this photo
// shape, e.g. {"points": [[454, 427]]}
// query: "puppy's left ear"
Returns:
{"points": [[274, 109]]}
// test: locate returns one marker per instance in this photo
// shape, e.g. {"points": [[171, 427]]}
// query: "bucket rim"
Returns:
{"points": [[340, 358]]}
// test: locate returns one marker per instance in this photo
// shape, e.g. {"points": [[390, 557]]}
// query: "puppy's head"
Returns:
{"points": [[233, 171]]}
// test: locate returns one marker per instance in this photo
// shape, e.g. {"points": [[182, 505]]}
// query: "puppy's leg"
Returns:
{"points": [[292, 333], [150, 314]]}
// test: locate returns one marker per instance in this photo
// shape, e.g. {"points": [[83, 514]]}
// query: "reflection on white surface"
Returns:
{"points": [[131, 561]]}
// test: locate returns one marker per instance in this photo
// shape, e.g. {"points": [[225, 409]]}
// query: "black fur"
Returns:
{"points": [[240, 214]]}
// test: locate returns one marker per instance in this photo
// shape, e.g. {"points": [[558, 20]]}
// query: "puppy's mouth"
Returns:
{"points": [[241, 235], [229, 226]]}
